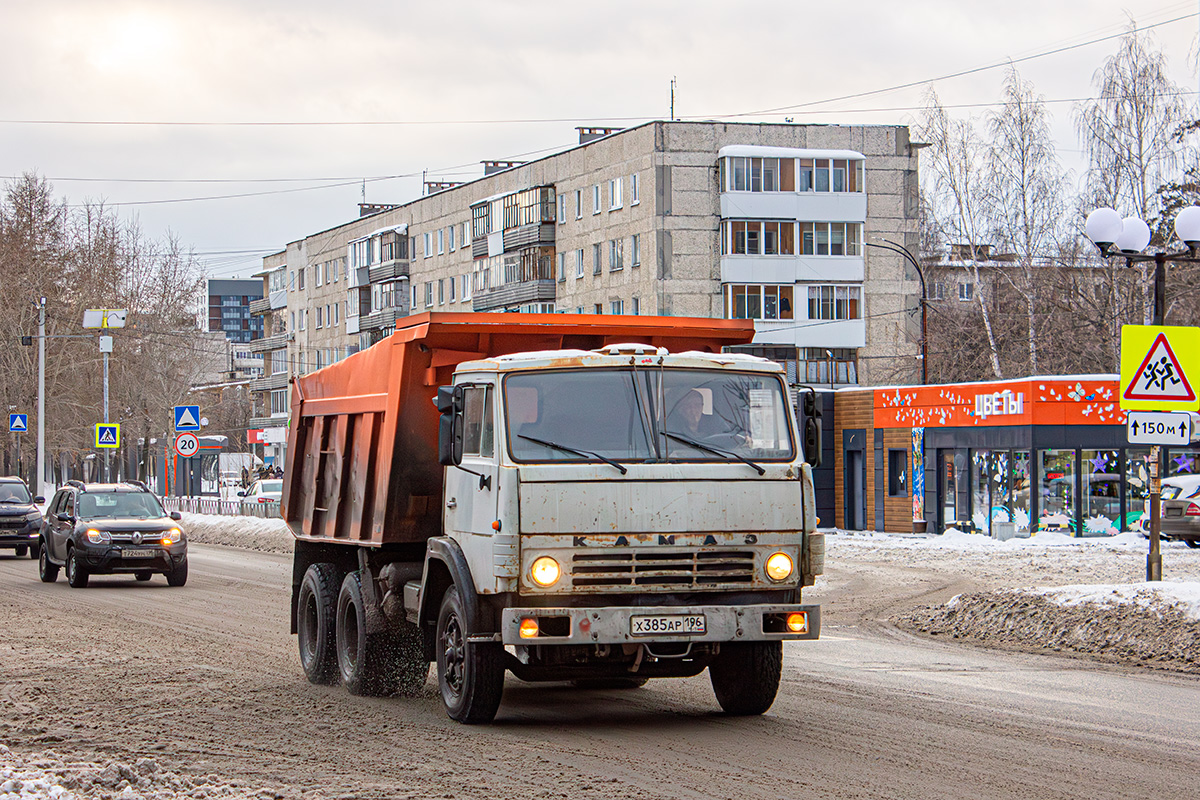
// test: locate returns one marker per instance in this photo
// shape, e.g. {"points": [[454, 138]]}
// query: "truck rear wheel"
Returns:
{"points": [[745, 676], [316, 606], [365, 660], [470, 674]]}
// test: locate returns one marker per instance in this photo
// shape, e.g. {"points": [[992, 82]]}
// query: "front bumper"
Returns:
{"points": [[109, 558], [20, 537], [613, 625]]}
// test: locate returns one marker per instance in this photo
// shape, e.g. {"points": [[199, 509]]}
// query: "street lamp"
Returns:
{"points": [[911, 259], [1127, 238]]}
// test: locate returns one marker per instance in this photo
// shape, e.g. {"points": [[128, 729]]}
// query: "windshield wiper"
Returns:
{"points": [[713, 450], [15, 500], [566, 449]]}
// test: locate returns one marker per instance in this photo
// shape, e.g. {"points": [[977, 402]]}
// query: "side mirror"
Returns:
{"points": [[39, 500], [812, 428], [63, 517], [449, 402], [175, 515]]}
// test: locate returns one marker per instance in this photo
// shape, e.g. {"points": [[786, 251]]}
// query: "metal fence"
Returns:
{"points": [[217, 506]]}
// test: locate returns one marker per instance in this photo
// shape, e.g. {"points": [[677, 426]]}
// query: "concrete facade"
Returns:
{"points": [[628, 223]]}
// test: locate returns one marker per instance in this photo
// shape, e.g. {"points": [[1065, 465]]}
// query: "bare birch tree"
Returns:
{"points": [[955, 168], [1129, 134]]}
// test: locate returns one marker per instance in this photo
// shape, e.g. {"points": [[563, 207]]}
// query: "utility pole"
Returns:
{"points": [[672, 98], [41, 414]]}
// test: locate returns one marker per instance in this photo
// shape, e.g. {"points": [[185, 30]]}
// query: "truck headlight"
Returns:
{"points": [[779, 566], [96, 536], [545, 571]]}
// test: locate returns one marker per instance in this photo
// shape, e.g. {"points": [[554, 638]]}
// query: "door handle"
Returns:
{"points": [[451, 503]]}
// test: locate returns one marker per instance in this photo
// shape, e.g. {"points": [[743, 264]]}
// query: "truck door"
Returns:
{"points": [[471, 489]]}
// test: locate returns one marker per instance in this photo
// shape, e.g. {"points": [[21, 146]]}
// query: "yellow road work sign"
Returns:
{"points": [[1160, 368]]}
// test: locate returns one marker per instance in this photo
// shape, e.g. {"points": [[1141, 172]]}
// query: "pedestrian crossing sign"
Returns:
{"points": [[1160, 368], [108, 435]]}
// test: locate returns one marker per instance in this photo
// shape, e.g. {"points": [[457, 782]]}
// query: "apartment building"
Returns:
{"points": [[768, 222]]}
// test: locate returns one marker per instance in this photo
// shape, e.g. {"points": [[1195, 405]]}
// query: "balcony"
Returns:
{"points": [[398, 268], [260, 306], [268, 343], [269, 422], [267, 383], [384, 318]]}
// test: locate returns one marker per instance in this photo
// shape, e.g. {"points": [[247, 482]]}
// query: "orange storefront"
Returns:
{"points": [[1039, 453]]}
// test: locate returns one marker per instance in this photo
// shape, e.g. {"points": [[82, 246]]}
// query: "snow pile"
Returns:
{"points": [[251, 533], [47, 775], [1183, 596]]}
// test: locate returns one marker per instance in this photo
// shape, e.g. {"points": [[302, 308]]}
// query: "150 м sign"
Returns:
{"points": [[1152, 427]]}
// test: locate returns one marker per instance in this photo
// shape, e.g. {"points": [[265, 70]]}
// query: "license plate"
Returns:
{"points": [[139, 553], [1173, 512], [666, 624]]}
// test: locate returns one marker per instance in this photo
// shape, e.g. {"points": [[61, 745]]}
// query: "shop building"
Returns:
{"points": [[1042, 453]]}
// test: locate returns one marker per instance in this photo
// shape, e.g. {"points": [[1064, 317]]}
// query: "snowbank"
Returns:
{"points": [[251, 533], [47, 775]]}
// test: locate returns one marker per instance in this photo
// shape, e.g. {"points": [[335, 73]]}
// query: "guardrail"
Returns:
{"points": [[217, 506]]}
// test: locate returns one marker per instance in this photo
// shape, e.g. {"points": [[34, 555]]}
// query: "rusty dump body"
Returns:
{"points": [[362, 465]]}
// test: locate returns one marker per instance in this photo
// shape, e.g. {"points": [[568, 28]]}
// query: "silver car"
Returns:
{"points": [[1181, 509]]}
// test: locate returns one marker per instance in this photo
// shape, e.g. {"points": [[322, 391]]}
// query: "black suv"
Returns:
{"points": [[107, 528], [20, 520]]}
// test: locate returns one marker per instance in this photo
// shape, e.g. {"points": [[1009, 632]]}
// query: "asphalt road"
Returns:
{"points": [[205, 679]]}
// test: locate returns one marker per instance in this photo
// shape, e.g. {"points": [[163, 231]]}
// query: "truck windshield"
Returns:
{"points": [[647, 415]]}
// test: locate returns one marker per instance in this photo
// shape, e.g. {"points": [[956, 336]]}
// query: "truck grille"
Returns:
{"points": [[667, 569]]}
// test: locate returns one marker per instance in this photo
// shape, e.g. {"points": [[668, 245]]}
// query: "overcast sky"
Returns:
{"points": [[474, 81]]}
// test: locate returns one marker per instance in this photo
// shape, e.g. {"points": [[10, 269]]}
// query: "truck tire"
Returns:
{"points": [[47, 570], [364, 660], [77, 574], [745, 676], [470, 674], [316, 610]]}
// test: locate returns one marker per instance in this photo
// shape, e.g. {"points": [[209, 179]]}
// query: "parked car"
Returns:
{"points": [[1180, 509], [20, 519], [110, 528], [264, 490]]}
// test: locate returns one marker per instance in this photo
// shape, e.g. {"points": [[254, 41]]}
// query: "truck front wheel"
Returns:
{"points": [[316, 605], [470, 674], [745, 676]]}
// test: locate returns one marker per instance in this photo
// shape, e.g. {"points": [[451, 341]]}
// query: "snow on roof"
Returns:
{"points": [[401, 228], [759, 151]]}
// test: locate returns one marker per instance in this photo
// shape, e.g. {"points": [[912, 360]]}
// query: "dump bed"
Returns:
{"points": [[362, 463]]}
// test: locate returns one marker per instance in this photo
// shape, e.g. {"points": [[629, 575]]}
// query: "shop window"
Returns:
{"points": [[897, 473], [1020, 495], [1101, 492], [1182, 461], [1056, 484]]}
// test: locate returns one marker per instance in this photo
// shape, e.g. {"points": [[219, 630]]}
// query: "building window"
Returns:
{"points": [[300, 278], [635, 305], [598, 309], [441, 291], [291, 320], [614, 194], [596, 199], [317, 275], [320, 318], [562, 209], [759, 238], [759, 302], [937, 290], [579, 204], [897, 473], [428, 251], [303, 318], [635, 250], [634, 195], [758, 174], [830, 238], [336, 319], [466, 288], [825, 175], [429, 294], [617, 307], [279, 401], [616, 258], [291, 281], [441, 241], [596, 260], [562, 267], [834, 302], [579, 263], [966, 291], [450, 230]]}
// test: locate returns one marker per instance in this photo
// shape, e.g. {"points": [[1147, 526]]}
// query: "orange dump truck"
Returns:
{"points": [[566, 497]]}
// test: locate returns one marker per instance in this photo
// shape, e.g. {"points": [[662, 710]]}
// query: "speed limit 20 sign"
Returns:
{"points": [[187, 444]]}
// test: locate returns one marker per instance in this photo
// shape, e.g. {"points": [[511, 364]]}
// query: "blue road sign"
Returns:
{"points": [[187, 418], [18, 423], [108, 435]]}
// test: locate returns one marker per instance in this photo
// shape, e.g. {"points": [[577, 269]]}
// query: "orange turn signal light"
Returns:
{"points": [[797, 622], [496, 525], [529, 628]]}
